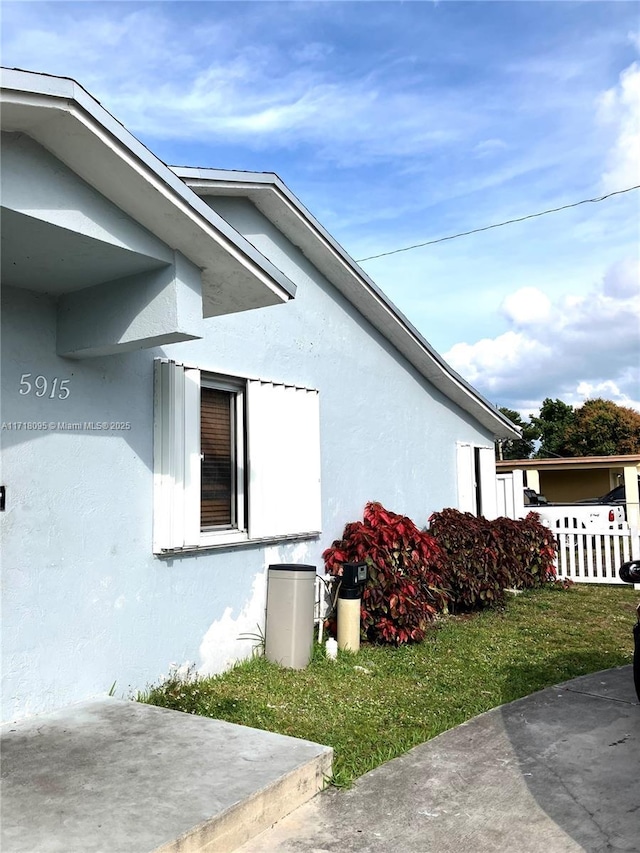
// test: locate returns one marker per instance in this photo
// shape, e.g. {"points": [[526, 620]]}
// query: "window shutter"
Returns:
{"points": [[283, 435], [176, 516], [518, 495], [466, 481], [488, 482]]}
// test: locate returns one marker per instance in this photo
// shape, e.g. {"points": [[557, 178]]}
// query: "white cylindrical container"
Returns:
{"points": [[290, 603], [349, 624]]}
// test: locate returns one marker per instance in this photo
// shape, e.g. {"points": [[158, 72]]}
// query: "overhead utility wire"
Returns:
{"points": [[498, 224]]}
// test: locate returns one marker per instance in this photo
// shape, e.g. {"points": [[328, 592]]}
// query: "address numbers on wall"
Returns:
{"points": [[42, 387]]}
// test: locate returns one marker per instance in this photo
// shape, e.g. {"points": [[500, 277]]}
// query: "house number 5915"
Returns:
{"points": [[43, 387]]}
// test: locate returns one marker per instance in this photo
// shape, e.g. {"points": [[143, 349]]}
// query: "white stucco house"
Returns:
{"points": [[197, 382]]}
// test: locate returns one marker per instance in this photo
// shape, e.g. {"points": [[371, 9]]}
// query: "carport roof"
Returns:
{"points": [[570, 462]]}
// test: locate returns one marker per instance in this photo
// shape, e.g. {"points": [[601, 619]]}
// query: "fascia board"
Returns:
{"points": [[66, 120], [571, 462], [275, 200]]}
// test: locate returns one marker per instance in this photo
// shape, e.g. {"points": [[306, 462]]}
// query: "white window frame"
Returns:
{"points": [[280, 424], [237, 531]]}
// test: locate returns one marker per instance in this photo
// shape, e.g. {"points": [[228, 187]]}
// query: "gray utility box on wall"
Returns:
{"points": [[291, 594]]}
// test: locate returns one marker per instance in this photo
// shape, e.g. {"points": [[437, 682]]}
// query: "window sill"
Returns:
{"points": [[238, 541]]}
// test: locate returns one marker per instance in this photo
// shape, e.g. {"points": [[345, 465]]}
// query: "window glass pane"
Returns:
{"points": [[217, 447]]}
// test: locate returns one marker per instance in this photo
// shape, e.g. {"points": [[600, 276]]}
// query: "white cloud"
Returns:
{"points": [[235, 79], [526, 306], [312, 51], [351, 122], [583, 345], [217, 85], [622, 279], [490, 147], [484, 362], [607, 390], [619, 108]]}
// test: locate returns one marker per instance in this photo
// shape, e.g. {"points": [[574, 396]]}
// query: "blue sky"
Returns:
{"points": [[396, 123]]}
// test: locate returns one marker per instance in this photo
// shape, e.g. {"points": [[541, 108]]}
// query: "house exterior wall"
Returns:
{"points": [[85, 602]]}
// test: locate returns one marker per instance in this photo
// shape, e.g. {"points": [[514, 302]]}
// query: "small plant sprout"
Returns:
{"points": [[257, 638]]}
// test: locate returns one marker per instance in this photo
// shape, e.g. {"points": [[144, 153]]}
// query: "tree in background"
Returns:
{"points": [[553, 423], [517, 448], [597, 428], [602, 428]]}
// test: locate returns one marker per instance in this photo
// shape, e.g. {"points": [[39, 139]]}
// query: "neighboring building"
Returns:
{"points": [[197, 382], [577, 478]]}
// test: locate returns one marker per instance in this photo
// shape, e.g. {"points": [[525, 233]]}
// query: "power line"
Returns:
{"points": [[498, 224]]}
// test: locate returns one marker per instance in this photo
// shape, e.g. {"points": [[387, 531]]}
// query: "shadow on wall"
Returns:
{"points": [[47, 396], [237, 634]]}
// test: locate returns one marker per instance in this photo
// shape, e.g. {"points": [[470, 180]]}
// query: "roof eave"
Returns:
{"points": [[270, 195], [61, 116]]}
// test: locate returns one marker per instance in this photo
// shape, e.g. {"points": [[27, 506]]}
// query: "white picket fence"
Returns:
{"points": [[587, 552], [594, 555]]}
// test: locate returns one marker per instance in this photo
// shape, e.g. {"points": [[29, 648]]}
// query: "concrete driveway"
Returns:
{"points": [[555, 772]]}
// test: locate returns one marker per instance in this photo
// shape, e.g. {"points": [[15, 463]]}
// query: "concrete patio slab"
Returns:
{"points": [[113, 776], [555, 772]]}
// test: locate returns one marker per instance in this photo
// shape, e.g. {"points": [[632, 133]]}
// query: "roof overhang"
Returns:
{"points": [[270, 195], [62, 117]]}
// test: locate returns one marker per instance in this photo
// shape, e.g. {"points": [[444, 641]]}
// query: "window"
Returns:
{"points": [[222, 463], [235, 460], [476, 468]]}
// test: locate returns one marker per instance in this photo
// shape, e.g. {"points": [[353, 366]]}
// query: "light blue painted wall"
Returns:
{"points": [[85, 603]]}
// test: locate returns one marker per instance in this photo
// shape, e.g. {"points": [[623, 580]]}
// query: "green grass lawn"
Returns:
{"points": [[377, 704]]}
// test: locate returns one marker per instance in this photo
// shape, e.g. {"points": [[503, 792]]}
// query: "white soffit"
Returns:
{"points": [[270, 195], [68, 122]]}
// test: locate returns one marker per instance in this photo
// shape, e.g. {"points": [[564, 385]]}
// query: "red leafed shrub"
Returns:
{"points": [[474, 573], [529, 548], [484, 557], [404, 590]]}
